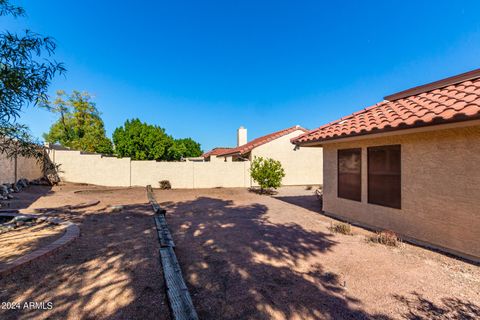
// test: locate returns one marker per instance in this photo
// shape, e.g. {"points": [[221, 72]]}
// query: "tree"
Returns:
{"points": [[141, 141], [25, 75], [267, 172], [192, 148], [79, 126], [176, 151]]}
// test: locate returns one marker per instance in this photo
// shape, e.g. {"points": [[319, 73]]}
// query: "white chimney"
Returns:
{"points": [[241, 136]]}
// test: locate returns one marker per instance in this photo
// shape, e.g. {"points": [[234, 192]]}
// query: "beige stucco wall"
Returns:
{"points": [[440, 189], [7, 170], [27, 168], [108, 171], [303, 166], [91, 168]]}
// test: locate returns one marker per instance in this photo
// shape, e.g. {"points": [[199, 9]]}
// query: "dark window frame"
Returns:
{"points": [[369, 178], [359, 199]]}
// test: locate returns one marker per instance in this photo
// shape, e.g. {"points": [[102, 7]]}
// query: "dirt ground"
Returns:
{"points": [[23, 240], [112, 271], [248, 256], [243, 255]]}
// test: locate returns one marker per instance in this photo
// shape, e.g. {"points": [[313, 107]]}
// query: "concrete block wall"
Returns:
{"points": [[27, 168], [124, 172]]}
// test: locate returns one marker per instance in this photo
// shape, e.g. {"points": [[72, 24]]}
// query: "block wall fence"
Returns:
{"points": [[78, 167], [13, 169]]}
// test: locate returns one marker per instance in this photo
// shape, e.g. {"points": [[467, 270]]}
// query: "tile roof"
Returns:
{"points": [[216, 151], [449, 101], [262, 140]]}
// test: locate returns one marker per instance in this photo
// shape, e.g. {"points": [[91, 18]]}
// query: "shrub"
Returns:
{"points": [[388, 238], [340, 227], [267, 172], [165, 185]]}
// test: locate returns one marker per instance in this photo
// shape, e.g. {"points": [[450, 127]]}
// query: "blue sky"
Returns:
{"points": [[201, 69]]}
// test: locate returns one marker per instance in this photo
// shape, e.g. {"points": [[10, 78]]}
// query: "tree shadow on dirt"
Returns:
{"points": [[26, 197], [112, 271], [238, 265], [450, 308]]}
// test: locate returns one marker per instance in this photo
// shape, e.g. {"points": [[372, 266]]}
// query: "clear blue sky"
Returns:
{"points": [[203, 68]]}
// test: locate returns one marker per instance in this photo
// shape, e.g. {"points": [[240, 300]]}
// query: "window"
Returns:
{"points": [[384, 176], [350, 174]]}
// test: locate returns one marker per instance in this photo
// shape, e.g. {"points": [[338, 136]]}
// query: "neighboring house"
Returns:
{"points": [[298, 163], [410, 164], [212, 154]]}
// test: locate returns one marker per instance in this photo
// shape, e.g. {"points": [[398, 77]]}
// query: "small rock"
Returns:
{"points": [[22, 183], [3, 190], [41, 219], [23, 219], [111, 209]]}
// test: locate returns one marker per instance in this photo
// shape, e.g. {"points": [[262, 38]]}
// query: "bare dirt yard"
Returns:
{"points": [[243, 256], [112, 271], [249, 256]]}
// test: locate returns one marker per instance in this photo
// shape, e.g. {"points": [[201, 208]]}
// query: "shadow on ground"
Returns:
{"points": [[238, 265], [26, 197], [111, 272], [450, 308], [309, 202]]}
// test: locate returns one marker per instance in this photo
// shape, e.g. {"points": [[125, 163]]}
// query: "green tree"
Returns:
{"points": [[26, 71], [267, 172], [141, 141], [176, 151], [79, 126], [192, 148]]}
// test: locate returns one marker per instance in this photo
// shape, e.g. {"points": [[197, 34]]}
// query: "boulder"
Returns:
{"points": [[3, 190]]}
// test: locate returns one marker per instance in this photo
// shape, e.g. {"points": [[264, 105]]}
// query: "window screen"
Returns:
{"points": [[384, 176], [350, 174]]}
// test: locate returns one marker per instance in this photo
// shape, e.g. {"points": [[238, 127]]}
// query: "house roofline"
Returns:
{"points": [[396, 131], [434, 85]]}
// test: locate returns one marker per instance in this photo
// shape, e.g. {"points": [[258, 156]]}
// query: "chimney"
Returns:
{"points": [[241, 136]]}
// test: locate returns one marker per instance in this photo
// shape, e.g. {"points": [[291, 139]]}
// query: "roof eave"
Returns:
{"points": [[431, 126]]}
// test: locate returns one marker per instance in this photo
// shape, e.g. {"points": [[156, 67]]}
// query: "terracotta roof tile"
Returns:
{"points": [[215, 151], [262, 140], [454, 102]]}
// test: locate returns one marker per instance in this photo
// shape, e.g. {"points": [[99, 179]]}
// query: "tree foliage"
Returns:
{"points": [[192, 148], [142, 141], [26, 71], [267, 172], [79, 126]]}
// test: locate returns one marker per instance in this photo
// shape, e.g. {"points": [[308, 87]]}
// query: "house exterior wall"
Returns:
{"points": [[440, 189], [303, 166]]}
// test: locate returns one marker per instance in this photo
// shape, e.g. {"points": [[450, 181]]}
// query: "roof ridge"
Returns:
{"points": [[439, 84], [453, 103], [263, 139]]}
